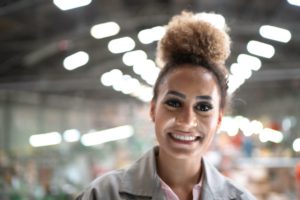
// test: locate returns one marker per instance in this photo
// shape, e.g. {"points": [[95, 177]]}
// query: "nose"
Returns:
{"points": [[187, 118]]}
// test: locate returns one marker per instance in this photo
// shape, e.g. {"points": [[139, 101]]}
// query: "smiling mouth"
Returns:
{"points": [[185, 138]]}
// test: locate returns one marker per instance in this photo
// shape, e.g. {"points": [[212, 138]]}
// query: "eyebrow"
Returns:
{"points": [[178, 94]]}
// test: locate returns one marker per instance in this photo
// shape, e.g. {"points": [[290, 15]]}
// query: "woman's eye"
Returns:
{"points": [[173, 103], [204, 107]]}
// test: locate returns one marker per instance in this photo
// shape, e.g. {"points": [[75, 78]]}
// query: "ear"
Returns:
{"points": [[152, 111], [220, 117]]}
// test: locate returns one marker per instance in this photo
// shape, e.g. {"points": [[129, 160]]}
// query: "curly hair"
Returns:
{"points": [[192, 40]]}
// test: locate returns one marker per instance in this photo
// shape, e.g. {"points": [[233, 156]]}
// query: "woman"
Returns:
{"points": [[187, 108]]}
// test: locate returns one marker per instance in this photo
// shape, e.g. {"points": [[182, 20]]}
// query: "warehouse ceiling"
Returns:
{"points": [[36, 36]]}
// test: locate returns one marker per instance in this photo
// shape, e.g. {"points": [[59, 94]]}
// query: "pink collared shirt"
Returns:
{"points": [[170, 195]]}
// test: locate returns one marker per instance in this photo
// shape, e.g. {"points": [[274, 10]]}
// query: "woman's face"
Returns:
{"points": [[187, 112]]}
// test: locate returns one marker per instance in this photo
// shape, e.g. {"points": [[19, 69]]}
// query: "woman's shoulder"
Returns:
{"points": [[138, 179], [104, 186], [111, 178]]}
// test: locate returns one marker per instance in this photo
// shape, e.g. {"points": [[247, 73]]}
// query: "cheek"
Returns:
{"points": [[164, 120], [209, 125]]}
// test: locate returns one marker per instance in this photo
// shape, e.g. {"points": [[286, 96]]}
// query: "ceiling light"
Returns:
{"points": [[229, 126], [105, 30], [121, 45], [131, 85], [240, 71], [275, 33], [215, 19], [260, 49], [143, 66], [126, 84], [71, 135], [147, 70], [150, 75], [121, 83], [294, 2], [250, 61], [244, 125], [271, 135], [296, 145], [110, 78], [76, 60], [132, 57], [100, 137], [144, 93], [234, 82], [148, 36], [256, 126], [70, 4], [45, 139], [105, 79]]}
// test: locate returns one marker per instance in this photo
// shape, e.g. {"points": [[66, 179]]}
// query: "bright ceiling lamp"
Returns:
{"points": [[130, 86], [105, 30], [150, 75], [261, 49], [111, 77], [76, 60], [234, 82], [148, 36], [229, 126], [275, 33], [240, 71], [71, 4], [144, 93], [244, 125], [252, 62], [143, 65], [126, 84], [296, 145], [121, 45], [271, 135], [108, 135], [215, 19], [294, 2], [256, 126], [45, 139], [147, 70], [132, 57], [71, 135]]}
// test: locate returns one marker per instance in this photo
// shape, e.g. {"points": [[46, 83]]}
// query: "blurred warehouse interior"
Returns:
{"points": [[76, 78]]}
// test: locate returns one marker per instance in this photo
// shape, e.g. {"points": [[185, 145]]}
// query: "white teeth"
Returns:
{"points": [[184, 137]]}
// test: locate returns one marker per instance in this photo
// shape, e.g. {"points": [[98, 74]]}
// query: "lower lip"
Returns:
{"points": [[182, 141]]}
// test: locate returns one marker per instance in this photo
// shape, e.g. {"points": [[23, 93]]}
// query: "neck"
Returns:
{"points": [[179, 173]]}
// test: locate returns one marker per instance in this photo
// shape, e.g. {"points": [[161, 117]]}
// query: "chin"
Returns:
{"points": [[185, 154]]}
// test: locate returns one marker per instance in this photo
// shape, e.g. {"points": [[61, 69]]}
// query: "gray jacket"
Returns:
{"points": [[141, 182]]}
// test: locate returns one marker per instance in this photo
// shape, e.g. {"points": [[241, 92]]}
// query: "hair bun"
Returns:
{"points": [[192, 34]]}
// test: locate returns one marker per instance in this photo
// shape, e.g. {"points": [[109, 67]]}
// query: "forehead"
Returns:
{"points": [[192, 81], [187, 72]]}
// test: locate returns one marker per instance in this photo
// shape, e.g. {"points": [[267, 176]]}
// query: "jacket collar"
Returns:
{"points": [[141, 179], [216, 186]]}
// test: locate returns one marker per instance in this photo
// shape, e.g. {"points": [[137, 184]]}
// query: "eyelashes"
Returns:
{"points": [[200, 106], [173, 103], [204, 107]]}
